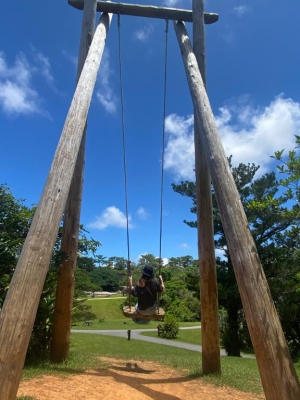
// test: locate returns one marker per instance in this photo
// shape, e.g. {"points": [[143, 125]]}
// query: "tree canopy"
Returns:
{"points": [[273, 216]]}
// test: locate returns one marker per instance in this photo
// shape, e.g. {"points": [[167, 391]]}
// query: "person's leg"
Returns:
{"points": [[148, 311]]}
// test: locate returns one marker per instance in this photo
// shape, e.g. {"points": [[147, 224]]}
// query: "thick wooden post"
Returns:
{"points": [[211, 358], [277, 371], [66, 275], [19, 310]]}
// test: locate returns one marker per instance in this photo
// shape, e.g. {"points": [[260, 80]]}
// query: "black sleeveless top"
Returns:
{"points": [[147, 295]]}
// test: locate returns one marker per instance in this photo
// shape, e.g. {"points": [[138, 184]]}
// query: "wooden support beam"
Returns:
{"points": [[62, 318], [146, 11], [279, 378], [211, 359], [21, 302]]}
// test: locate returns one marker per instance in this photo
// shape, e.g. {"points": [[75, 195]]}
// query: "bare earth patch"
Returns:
{"points": [[128, 380]]}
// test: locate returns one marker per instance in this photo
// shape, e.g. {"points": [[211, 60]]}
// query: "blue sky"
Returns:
{"points": [[253, 81]]}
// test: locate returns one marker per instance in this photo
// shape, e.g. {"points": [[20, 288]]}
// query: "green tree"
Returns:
{"points": [[15, 219], [86, 263], [120, 264], [149, 259], [105, 279], [178, 300], [100, 260], [289, 168], [184, 261], [83, 283], [272, 220]]}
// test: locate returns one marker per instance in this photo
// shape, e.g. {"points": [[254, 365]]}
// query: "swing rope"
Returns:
{"points": [[163, 146], [124, 160], [163, 156], [129, 272]]}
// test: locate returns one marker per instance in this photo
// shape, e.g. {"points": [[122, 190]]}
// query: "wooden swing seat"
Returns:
{"points": [[130, 312]]}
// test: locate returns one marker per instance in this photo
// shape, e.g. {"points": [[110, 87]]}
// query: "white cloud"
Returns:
{"points": [[220, 253], [184, 246], [230, 32], [170, 3], [45, 67], [105, 93], [107, 99], [73, 59], [228, 35], [110, 217], [241, 10], [142, 213], [144, 33], [165, 261], [179, 152], [249, 134], [139, 257], [253, 135], [17, 95]]}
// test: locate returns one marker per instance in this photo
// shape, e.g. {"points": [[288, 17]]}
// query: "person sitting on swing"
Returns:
{"points": [[146, 291]]}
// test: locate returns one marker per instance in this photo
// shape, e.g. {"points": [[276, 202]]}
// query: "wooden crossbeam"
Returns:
{"points": [[146, 11]]}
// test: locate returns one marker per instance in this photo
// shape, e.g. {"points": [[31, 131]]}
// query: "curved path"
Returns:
{"points": [[136, 335]]}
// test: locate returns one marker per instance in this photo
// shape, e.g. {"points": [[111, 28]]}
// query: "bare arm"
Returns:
{"points": [[161, 281], [130, 287]]}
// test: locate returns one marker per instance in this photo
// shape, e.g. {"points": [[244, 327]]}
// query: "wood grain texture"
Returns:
{"points": [[277, 371], [211, 359], [19, 310], [146, 11], [61, 331]]}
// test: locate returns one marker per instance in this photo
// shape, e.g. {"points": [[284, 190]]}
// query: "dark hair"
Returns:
{"points": [[147, 277]]}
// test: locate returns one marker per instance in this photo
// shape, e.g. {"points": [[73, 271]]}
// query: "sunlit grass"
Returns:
{"points": [[122, 323], [192, 336], [26, 398], [106, 308], [86, 350]]}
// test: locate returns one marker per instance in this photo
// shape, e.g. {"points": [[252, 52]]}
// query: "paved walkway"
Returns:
{"points": [[136, 335]]}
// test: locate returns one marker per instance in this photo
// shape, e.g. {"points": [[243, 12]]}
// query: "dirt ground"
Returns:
{"points": [[128, 380]]}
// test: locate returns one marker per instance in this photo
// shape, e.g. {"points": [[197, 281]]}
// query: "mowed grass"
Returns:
{"points": [[109, 309], [192, 336], [86, 350]]}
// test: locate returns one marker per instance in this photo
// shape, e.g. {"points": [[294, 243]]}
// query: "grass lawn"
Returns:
{"points": [[109, 309], [192, 336], [124, 323], [85, 350]]}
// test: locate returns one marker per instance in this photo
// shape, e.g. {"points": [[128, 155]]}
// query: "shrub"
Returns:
{"points": [[227, 332], [180, 311], [170, 327], [41, 334], [82, 311]]}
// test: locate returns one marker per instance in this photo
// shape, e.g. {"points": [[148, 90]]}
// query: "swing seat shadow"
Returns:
{"points": [[133, 368]]}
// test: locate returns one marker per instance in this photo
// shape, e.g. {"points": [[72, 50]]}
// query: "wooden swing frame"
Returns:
{"points": [[64, 181]]}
